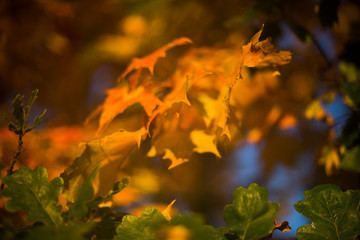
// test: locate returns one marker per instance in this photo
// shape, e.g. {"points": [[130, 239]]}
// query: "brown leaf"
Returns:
{"points": [[283, 226], [263, 53]]}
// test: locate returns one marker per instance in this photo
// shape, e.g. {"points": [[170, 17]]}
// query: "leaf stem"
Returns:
{"points": [[20, 143]]}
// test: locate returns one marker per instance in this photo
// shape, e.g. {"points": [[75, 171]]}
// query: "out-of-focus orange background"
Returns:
{"points": [[72, 51]]}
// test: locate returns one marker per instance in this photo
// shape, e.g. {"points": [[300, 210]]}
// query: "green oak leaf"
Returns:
{"points": [[31, 100], [18, 111], [334, 213], [64, 232], [251, 216], [37, 121], [30, 191], [143, 228], [152, 225]]}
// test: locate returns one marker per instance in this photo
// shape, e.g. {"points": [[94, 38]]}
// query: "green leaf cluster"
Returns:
{"points": [[251, 216], [153, 225]]}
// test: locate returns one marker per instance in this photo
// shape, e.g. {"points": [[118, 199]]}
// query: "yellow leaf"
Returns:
{"points": [[152, 152], [204, 142], [178, 94], [166, 212], [263, 53], [174, 160], [150, 60], [209, 105], [116, 148], [331, 159]]}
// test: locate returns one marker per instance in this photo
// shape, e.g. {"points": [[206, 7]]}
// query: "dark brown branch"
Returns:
{"points": [[16, 156]]}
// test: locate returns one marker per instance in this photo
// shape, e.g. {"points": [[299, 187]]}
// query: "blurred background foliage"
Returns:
{"points": [[72, 51]]}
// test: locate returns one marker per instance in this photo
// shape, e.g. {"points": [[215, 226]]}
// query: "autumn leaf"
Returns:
{"points": [[110, 152], [330, 158], [150, 60], [204, 142], [167, 210], [263, 53], [119, 99], [174, 160]]}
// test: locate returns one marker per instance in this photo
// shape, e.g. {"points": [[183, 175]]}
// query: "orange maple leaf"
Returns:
{"points": [[174, 160], [119, 99], [263, 53], [150, 60]]}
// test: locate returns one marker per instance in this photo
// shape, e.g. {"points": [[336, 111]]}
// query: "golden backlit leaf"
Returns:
{"points": [[167, 211], [178, 94], [150, 60], [330, 158], [245, 92], [119, 99], [226, 132], [204, 142], [263, 53], [174, 160], [152, 152], [116, 148], [209, 105]]}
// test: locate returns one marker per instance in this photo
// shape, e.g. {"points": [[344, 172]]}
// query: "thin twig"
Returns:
{"points": [[16, 156]]}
